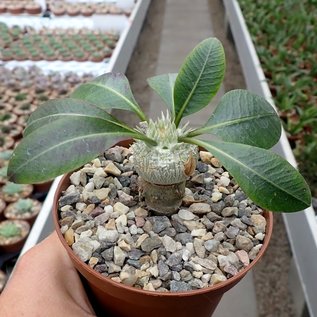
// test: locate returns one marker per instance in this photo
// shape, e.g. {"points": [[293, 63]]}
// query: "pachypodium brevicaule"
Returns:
{"points": [[64, 134]]}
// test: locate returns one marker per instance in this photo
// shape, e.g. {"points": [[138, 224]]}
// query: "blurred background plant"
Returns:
{"points": [[284, 33]]}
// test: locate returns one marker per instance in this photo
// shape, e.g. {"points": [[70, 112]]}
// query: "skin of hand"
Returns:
{"points": [[45, 283]]}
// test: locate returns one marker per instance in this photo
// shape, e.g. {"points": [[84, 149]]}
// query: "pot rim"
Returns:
{"points": [[232, 280]]}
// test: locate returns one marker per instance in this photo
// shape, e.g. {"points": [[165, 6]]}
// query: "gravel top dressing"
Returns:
{"points": [[214, 235]]}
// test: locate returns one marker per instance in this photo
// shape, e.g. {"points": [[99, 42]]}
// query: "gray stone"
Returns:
{"points": [[135, 254], [200, 208], [259, 223], [229, 211], [184, 237], [101, 219], [169, 244], [69, 199], [232, 232], [212, 216], [206, 263], [196, 284], [175, 258], [211, 245], [83, 250], [217, 207], [107, 235], [239, 224], [179, 286], [199, 247], [159, 223], [114, 154], [126, 199], [101, 268], [219, 226], [246, 220], [162, 268], [119, 256], [108, 254], [244, 243], [185, 214], [151, 243]]}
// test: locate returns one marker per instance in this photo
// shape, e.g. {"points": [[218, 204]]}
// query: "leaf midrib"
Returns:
{"points": [[180, 113], [133, 106], [233, 122], [68, 141]]}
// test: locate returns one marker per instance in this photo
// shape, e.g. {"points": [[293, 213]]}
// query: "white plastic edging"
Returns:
{"points": [[43, 224], [301, 227]]}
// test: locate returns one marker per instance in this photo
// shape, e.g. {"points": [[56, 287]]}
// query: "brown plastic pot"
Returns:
{"points": [[114, 299]]}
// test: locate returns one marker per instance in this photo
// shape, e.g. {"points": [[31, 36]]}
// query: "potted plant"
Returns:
{"points": [[13, 234], [23, 209], [160, 228], [11, 192], [6, 142]]}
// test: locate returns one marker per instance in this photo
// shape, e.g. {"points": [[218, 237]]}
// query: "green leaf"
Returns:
{"points": [[109, 91], [62, 146], [164, 87], [266, 178], [62, 108], [243, 117], [199, 78]]}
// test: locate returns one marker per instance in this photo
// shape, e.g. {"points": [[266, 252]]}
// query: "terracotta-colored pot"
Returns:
{"points": [[15, 244], [113, 299]]}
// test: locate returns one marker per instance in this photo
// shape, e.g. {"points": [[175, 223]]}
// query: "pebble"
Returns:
{"points": [[107, 235], [229, 211], [200, 208], [179, 286], [159, 223], [205, 156], [211, 245], [140, 212], [102, 193], [185, 214], [199, 247], [112, 169], [83, 250], [244, 243], [216, 196], [169, 244], [243, 257], [120, 208], [259, 223], [69, 199], [108, 254], [119, 256], [151, 243], [69, 236]]}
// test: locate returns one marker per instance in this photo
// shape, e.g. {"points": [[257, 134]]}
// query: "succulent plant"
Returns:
{"points": [[12, 188], [77, 129], [10, 230], [23, 206]]}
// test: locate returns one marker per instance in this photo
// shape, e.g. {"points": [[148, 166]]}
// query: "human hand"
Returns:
{"points": [[45, 283]]}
